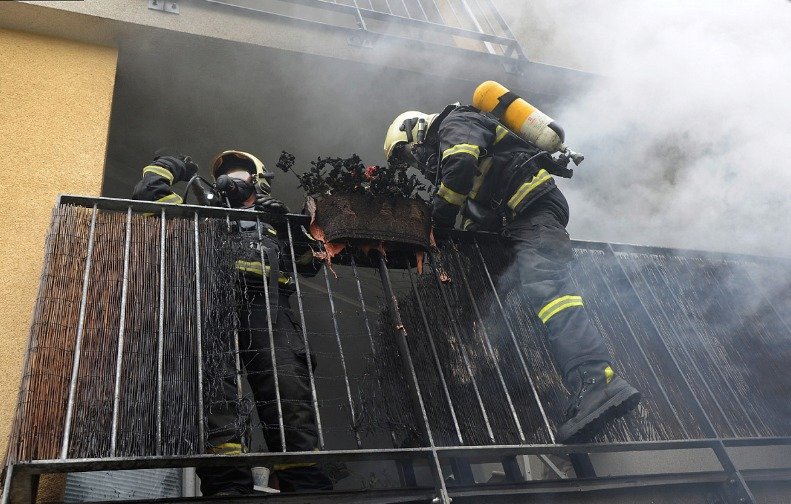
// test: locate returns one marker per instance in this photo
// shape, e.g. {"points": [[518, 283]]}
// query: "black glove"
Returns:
{"points": [[182, 167], [443, 214], [267, 203]]}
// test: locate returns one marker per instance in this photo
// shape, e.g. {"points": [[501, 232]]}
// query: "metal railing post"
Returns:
{"points": [[487, 344], [161, 331], [313, 394], [414, 386], [465, 358], [517, 348], [435, 355], [343, 359], [121, 329], [198, 336], [78, 341], [744, 495], [368, 330], [267, 278]]}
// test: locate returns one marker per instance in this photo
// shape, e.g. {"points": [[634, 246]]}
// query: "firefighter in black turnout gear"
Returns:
{"points": [[498, 181], [243, 179]]}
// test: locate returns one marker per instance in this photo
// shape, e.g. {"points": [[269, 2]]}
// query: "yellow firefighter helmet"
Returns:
{"points": [[227, 160]]}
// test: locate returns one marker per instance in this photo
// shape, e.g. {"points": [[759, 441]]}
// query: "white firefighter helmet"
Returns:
{"points": [[412, 127], [227, 160], [409, 127]]}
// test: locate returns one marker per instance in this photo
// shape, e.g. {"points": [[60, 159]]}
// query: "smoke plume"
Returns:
{"points": [[686, 135]]}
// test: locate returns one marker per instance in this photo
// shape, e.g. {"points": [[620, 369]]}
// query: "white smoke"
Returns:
{"points": [[688, 135]]}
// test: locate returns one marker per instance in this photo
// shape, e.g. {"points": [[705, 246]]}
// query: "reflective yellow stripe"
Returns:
{"points": [[472, 150], [255, 267], [501, 133], [466, 224], [521, 193], [558, 305], [227, 449], [477, 182], [283, 467], [608, 374], [158, 170], [171, 198], [450, 195], [271, 231]]}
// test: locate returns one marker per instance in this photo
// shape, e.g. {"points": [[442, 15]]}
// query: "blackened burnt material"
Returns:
{"points": [[395, 221]]}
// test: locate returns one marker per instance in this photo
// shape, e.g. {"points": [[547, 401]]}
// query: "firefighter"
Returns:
{"points": [[499, 182], [245, 181]]}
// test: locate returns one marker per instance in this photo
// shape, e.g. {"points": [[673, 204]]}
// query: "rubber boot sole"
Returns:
{"points": [[585, 428]]}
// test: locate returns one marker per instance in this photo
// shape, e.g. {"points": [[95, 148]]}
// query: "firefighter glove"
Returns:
{"points": [[267, 203], [443, 214], [182, 167]]}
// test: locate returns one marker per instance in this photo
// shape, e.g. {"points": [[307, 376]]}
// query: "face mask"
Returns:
{"points": [[237, 190]]}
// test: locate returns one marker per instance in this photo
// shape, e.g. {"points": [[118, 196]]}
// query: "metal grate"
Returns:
{"points": [[134, 313]]}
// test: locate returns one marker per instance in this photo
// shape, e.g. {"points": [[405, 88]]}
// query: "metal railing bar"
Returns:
{"points": [[121, 328], [161, 331], [685, 352], [406, 9], [374, 14], [689, 253], [487, 343], [465, 358], [359, 16], [435, 355], [439, 13], [761, 441], [237, 355], [419, 23], [417, 399], [177, 210], [707, 351], [422, 10], [199, 335], [267, 278], [343, 359], [518, 349], [493, 451], [78, 341], [762, 290], [213, 460], [485, 17], [455, 14], [708, 427], [552, 467], [640, 347], [9, 475], [507, 29], [369, 332], [308, 357], [475, 23]]}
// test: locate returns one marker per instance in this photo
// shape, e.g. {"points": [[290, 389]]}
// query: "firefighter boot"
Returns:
{"points": [[598, 396]]}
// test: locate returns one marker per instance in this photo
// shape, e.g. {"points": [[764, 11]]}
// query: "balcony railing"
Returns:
{"points": [[475, 25], [433, 368]]}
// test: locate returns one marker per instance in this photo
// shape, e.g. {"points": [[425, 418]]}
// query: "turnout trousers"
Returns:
{"points": [[226, 424], [542, 249]]}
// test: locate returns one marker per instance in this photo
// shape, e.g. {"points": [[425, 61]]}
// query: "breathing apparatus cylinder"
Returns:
{"points": [[519, 116]]}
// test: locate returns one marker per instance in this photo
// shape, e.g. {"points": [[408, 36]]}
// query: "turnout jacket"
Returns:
{"points": [[483, 165], [156, 186]]}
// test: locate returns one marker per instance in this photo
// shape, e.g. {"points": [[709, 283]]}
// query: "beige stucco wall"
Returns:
{"points": [[55, 98]]}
